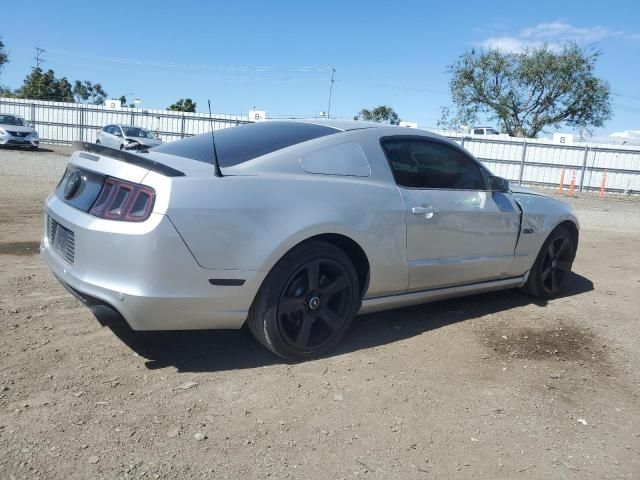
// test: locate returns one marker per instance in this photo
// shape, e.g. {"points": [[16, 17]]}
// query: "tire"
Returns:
{"points": [[33, 148], [553, 263], [307, 302]]}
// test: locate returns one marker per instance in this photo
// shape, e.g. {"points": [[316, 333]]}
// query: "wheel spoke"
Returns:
{"points": [[563, 247], [564, 265], [313, 275], [289, 305], [551, 250], [545, 273], [334, 287], [554, 280], [302, 337], [331, 319]]}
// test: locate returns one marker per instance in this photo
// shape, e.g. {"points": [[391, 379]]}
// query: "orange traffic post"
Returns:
{"points": [[572, 185], [561, 186], [603, 184]]}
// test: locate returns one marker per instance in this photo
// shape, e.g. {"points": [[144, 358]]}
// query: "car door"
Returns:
{"points": [[107, 137], [118, 136], [458, 232]]}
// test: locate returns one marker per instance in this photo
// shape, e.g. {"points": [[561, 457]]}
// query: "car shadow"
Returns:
{"points": [[220, 350], [20, 148]]}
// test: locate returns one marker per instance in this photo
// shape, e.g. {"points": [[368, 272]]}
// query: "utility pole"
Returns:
{"points": [[333, 72], [38, 58]]}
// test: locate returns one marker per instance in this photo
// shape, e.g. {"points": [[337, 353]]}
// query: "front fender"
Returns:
{"points": [[540, 216]]}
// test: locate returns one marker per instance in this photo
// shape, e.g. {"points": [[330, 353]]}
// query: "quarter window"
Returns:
{"points": [[418, 163]]}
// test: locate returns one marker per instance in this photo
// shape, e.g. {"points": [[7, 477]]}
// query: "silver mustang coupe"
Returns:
{"points": [[294, 227]]}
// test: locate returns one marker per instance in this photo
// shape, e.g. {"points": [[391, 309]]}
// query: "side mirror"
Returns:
{"points": [[498, 184]]}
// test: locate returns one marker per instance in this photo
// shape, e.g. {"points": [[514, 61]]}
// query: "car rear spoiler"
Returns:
{"points": [[128, 157]]}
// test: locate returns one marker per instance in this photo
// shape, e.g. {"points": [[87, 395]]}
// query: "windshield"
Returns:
{"points": [[13, 120], [236, 145], [137, 132]]}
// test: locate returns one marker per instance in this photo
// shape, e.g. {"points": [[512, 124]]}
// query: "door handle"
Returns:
{"points": [[423, 210], [427, 211]]}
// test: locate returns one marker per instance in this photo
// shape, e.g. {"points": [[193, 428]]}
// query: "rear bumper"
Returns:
{"points": [[146, 273]]}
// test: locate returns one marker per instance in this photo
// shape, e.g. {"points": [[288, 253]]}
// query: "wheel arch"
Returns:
{"points": [[344, 242], [572, 228]]}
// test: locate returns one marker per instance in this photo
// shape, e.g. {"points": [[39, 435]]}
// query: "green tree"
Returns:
{"points": [[40, 85], [380, 114], [4, 56], [530, 91], [183, 105], [87, 91]]}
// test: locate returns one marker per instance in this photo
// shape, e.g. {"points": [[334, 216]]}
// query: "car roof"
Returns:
{"points": [[340, 124], [349, 125], [382, 129]]}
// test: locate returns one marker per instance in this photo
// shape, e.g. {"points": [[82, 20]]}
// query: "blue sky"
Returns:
{"points": [[276, 55]]}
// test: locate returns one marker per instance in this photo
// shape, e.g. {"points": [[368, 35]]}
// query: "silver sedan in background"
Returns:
{"points": [[306, 224], [16, 131], [126, 137]]}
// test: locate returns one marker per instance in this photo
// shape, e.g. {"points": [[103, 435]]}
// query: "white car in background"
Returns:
{"points": [[484, 131], [126, 137], [16, 131]]}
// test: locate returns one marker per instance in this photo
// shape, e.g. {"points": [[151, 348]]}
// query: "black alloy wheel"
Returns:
{"points": [[556, 263], [313, 305], [307, 302], [549, 273]]}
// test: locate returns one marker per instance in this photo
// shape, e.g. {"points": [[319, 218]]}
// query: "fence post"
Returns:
{"points": [[133, 115], [522, 160], [462, 141], [33, 114], [80, 122], [182, 127], [584, 166]]}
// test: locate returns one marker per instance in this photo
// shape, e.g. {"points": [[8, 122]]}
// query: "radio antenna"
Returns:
{"points": [[216, 163]]}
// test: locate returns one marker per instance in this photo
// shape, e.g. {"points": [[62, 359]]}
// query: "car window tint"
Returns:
{"points": [[239, 144], [478, 131], [426, 164]]}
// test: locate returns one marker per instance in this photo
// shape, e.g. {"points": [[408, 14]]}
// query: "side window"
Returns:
{"points": [[478, 131], [107, 129], [420, 163]]}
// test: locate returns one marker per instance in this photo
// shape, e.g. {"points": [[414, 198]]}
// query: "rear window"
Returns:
{"points": [[236, 145]]}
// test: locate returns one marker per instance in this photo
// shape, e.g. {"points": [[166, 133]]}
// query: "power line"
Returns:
{"points": [[184, 66]]}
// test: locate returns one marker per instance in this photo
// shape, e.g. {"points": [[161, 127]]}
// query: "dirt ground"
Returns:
{"points": [[494, 386]]}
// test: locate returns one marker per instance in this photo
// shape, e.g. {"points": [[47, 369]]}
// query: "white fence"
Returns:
{"points": [[539, 162], [59, 122], [526, 161]]}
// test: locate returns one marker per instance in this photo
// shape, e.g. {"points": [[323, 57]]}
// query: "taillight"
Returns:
{"points": [[126, 201]]}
